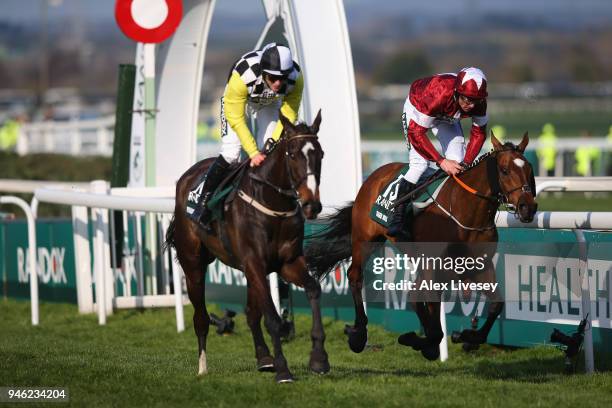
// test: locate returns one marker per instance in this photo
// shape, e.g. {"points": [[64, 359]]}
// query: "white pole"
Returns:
{"points": [[98, 248], [178, 293], [82, 254], [31, 253], [589, 362], [444, 342]]}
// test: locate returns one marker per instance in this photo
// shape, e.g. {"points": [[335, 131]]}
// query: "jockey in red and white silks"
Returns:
{"points": [[439, 103], [434, 103]]}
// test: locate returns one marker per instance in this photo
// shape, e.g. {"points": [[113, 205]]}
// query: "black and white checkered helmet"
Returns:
{"points": [[276, 60]]}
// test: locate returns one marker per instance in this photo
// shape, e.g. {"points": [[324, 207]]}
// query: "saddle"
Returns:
{"points": [[225, 193], [382, 209]]}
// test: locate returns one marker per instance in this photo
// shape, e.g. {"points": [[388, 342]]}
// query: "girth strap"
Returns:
{"points": [[262, 208]]}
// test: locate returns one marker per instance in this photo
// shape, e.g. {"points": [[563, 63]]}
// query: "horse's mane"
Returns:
{"points": [[508, 146], [302, 128]]}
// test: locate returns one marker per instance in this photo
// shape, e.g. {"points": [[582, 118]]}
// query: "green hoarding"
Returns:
{"points": [[55, 260], [541, 287]]}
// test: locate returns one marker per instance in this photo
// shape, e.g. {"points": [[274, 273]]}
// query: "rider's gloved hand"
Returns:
{"points": [[257, 159], [451, 167]]}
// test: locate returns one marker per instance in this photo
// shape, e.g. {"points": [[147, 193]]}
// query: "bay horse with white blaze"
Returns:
{"points": [[262, 231], [463, 212]]}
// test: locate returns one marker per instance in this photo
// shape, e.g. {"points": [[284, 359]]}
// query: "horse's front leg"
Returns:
{"points": [[494, 309], [296, 272], [255, 270], [429, 316], [253, 315]]}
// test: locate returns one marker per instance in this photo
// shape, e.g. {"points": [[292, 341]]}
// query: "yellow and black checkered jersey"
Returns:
{"points": [[238, 92]]}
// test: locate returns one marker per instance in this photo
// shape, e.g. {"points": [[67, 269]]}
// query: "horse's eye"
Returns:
{"points": [[504, 171]]}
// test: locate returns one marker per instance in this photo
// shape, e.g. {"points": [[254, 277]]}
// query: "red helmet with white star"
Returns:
{"points": [[471, 82]]}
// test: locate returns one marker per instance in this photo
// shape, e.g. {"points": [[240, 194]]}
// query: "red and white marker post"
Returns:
{"points": [[149, 22]]}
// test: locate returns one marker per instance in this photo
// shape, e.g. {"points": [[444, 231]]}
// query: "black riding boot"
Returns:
{"points": [[204, 191], [396, 226]]}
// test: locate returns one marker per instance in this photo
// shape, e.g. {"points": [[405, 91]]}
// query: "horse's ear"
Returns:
{"points": [[287, 125], [524, 142], [314, 128], [496, 144]]}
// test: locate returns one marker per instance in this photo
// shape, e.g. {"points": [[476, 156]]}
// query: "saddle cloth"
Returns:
{"points": [[381, 211]]}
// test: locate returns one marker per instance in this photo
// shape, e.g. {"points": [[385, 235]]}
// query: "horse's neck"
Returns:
{"points": [[273, 170]]}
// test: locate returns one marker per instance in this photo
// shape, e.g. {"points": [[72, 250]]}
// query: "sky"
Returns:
{"points": [[562, 10]]}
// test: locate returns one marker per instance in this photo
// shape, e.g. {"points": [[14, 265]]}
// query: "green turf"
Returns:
{"points": [[567, 124], [138, 359], [575, 202]]}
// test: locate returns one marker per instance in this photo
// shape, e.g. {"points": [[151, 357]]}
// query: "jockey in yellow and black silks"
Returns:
{"points": [[261, 83]]}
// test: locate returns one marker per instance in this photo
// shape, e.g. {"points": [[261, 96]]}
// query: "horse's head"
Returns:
{"points": [[516, 179], [304, 155]]}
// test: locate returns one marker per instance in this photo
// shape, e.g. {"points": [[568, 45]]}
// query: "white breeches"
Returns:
{"points": [[450, 136], [261, 120]]}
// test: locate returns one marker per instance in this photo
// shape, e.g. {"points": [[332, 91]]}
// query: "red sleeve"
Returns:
{"points": [[478, 135], [417, 135]]}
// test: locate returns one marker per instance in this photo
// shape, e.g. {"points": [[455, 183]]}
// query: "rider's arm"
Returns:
{"points": [[417, 135], [234, 103], [478, 134], [290, 106]]}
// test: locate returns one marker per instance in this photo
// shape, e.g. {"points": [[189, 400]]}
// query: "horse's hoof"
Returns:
{"points": [[456, 337], [468, 336], [409, 340], [468, 347], [283, 378], [265, 364], [319, 362], [319, 367], [357, 338], [431, 353]]}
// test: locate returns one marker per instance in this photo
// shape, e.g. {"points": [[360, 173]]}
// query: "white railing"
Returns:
{"points": [[82, 137], [31, 265], [135, 203]]}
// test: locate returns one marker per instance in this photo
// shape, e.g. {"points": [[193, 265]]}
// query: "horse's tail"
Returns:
{"points": [[169, 242], [325, 249]]}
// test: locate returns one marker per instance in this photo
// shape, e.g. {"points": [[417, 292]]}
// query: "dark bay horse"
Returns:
{"points": [[464, 213], [262, 232]]}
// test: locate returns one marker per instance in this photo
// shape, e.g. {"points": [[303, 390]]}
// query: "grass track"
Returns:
{"points": [[138, 359]]}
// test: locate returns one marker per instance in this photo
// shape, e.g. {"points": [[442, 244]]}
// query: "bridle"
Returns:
{"points": [[497, 197], [291, 193]]}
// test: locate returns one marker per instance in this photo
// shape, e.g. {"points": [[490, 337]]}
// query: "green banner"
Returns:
{"points": [[55, 260]]}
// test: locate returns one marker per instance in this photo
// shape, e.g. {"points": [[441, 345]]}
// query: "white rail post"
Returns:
{"points": [[589, 362], [31, 253], [82, 255], [99, 187], [178, 292], [444, 342]]}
